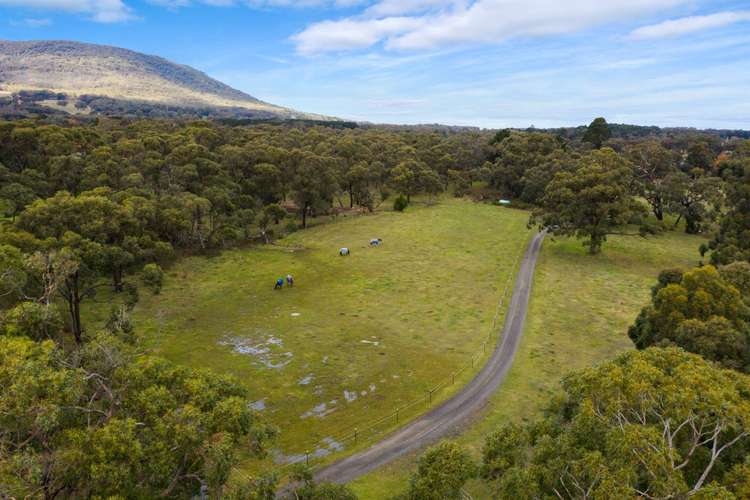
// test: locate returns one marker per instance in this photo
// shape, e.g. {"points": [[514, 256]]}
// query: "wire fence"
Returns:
{"points": [[359, 434]]}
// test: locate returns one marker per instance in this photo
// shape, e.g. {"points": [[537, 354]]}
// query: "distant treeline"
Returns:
{"points": [[624, 131], [26, 104]]}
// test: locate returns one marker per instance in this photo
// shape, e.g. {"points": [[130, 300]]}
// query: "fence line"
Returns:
{"points": [[354, 434]]}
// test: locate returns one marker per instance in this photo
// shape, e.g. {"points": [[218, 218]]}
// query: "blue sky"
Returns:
{"points": [[489, 63]]}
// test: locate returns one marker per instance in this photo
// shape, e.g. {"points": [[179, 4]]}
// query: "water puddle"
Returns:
{"points": [[328, 445], [321, 410], [259, 405], [266, 352]]}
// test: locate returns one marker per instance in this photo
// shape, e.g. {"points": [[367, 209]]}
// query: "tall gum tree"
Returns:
{"points": [[591, 202]]}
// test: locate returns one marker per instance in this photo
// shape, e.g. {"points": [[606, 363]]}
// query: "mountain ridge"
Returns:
{"points": [[121, 79]]}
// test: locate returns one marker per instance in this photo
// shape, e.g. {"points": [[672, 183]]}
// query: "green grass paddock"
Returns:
{"points": [[580, 310], [362, 334]]}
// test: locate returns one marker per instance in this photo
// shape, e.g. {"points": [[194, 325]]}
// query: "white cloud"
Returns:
{"points": [[304, 3], [400, 7], [685, 25], [103, 11], [113, 11], [351, 33], [257, 3], [173, 4], [32, 22], [425, 24], [627, 63]]}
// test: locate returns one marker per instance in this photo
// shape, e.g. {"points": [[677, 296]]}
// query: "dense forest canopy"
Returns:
{"points": [[108, 202]]}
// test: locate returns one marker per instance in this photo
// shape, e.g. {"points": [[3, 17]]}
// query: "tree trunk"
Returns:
{"points": [[691, 225], [304, 216], [351, 196], [658, 211], [198, 228], [74, 307], [595, 243], [117, 279]]}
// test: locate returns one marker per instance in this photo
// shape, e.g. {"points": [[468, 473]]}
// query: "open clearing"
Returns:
{"points": [[580, 309], [357, 336], [463, 406]]}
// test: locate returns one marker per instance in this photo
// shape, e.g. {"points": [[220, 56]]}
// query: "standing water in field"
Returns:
{"points": [[266, 352]]}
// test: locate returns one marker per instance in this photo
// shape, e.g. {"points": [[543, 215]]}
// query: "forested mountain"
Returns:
{"points": [[80, 78]]}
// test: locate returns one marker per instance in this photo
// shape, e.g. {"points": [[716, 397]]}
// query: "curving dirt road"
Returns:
{"points": [[444, 418]]}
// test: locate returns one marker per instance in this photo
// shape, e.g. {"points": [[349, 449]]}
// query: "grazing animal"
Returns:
{"points": [[290, 280], [343, 251], [375, 242], [279, 284]]}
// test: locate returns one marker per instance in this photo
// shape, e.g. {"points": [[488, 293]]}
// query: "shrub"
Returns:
{"points": [[31, 319], [400, 204], [442, 472], [308, 489], [120, 324], [153, 277], [131, 295]]}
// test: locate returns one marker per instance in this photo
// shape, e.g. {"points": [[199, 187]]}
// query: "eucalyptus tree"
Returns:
{"points": [[702, 311], [652, 165], [597, 133], [659, 423], [695, 198], [591, 202]]}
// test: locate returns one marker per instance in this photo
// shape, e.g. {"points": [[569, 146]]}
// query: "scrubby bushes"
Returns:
{"points": [[441, 473], [153, 277], [400, 203]]}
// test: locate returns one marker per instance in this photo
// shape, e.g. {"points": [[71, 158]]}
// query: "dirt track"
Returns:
{"points": [[442, 419]]}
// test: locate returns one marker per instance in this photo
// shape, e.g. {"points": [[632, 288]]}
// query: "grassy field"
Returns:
{"points": [[357, 336], [580, 310]]}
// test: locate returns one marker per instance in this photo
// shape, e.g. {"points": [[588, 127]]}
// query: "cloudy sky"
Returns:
{"points": [[490, 63]]}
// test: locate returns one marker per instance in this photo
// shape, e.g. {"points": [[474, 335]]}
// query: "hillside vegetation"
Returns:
{"points": [[78, 69]]}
